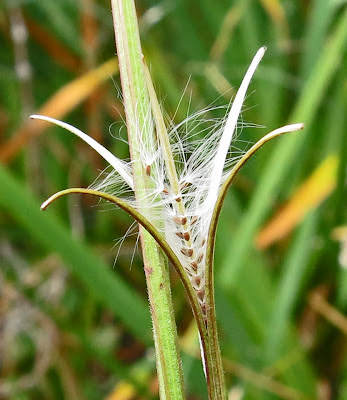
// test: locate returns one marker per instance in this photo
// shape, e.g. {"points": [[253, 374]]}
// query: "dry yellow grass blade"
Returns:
{"points": [[308, 196], [263, 381], [275, 9], [51, 45], [340, 234], [276, 12], [123, 391], [61, 103], [189, 341], [332, 314], [228, 26]]}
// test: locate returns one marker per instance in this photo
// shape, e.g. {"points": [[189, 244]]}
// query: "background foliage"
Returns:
{"points": [[74, 324]]}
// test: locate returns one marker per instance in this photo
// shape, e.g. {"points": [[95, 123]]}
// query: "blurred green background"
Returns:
{"points": [[74, 324]]}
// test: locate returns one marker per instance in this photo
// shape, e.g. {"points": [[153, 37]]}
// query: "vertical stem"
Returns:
{"points": [[217, 389], [137, 108], [207, 329]]}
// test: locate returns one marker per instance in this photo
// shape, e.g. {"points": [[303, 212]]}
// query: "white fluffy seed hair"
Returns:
{"points": [[202, 165]]}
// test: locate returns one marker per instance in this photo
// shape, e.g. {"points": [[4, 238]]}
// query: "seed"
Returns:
{"points": [[203, 242], [180, 221], [197, 280], [193, 220], [179, 234], [148, 170], [194, 265], [184, 185], [186, 236], [187, 252], [200, 257], [165, 191], [201, 294], [178, 199]]}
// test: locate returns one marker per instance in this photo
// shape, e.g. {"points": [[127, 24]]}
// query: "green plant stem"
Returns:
{"points": [[137, 108], [212, 356], [209, 337], [216, 381]]}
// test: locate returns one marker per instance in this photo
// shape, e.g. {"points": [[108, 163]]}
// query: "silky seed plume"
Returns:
{"points": [[185, 176]]}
